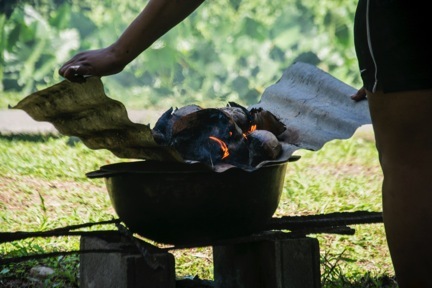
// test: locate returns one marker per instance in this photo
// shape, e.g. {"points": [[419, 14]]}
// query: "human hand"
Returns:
{"points": [[101, 62], [359, 95]]}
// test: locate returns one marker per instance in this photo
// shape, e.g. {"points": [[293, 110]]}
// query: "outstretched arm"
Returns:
{"points": [[157, 18]]}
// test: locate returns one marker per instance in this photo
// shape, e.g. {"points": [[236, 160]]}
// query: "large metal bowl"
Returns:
{"points": [[180, 203]]}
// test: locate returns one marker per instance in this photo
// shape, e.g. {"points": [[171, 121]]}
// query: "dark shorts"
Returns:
{"points": [[401, 58]]}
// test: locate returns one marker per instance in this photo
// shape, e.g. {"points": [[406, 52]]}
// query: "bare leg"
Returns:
{"points": [[403, 130]]}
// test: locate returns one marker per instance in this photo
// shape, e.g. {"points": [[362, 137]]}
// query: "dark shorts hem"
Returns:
{"points": [[398, 33]]}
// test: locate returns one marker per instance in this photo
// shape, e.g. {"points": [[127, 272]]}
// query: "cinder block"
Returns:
{"points": [[276, 263], [126, 269]]}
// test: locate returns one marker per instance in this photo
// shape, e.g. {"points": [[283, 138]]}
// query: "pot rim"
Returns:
{"points": [[151, 166]]}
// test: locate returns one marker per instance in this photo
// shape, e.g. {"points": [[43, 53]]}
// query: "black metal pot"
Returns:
{"points": [[180, 203]]}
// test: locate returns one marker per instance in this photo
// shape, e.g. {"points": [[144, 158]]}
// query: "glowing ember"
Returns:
{"points": [[223, 146], [242, 137], [251, 129]]}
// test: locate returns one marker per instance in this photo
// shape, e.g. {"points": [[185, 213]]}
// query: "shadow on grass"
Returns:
{"points": [[39, 138], [365, 281], [29, 137]]}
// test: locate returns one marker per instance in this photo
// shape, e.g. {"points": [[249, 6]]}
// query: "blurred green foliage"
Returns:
{"points": [[227, 50]]}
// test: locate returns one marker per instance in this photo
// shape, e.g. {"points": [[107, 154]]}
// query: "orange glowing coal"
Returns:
{"points": [[223, 146], [251, 129]]}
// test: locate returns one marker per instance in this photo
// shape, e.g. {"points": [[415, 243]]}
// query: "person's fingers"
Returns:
{"points": [[359, 95], [66, 65], [69, 70], [74, 73], [62, 70]]}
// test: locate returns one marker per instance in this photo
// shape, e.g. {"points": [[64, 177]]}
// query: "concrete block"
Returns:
{"points": [[276, 263], [126, 269]]}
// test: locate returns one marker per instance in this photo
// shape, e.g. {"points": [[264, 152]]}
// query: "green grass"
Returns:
{"points": [[10, 99], [43, 186]]}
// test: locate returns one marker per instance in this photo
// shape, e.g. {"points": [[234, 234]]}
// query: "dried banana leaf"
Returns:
{"points": [[85, 111]]}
